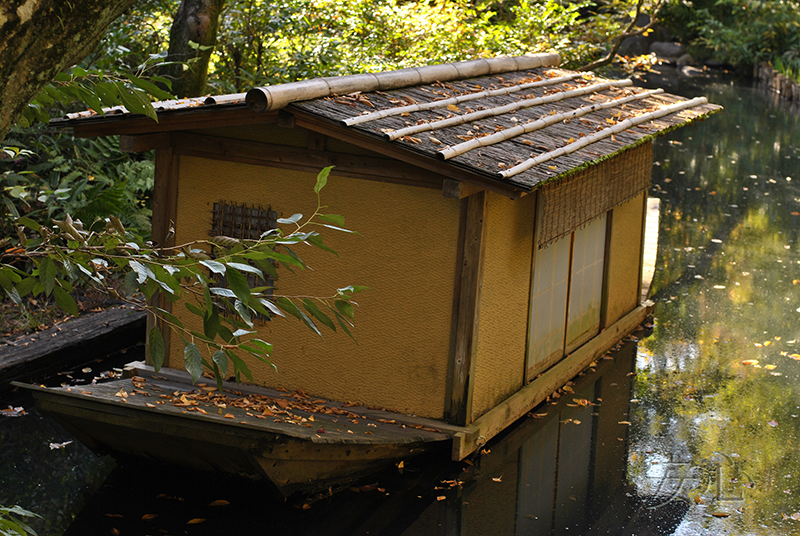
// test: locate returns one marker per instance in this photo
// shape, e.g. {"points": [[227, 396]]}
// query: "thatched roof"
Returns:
{"points": [[517, 121]]}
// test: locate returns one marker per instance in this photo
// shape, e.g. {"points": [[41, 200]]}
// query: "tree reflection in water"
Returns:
{"points": [[719, 410]]}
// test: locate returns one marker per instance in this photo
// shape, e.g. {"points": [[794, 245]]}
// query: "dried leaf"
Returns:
{"points": [[453, 108], [627, 423], [770, 367], [498, 478], [720, 514], [195, 521], [149, 516], [441, 498], [773, 423], [750, 362], [220, 502]]}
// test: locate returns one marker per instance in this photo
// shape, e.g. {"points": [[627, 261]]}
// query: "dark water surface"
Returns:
{"points": [[692, 430]]}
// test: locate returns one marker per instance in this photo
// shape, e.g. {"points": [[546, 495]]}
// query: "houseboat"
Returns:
{"points": [[501, 208]]}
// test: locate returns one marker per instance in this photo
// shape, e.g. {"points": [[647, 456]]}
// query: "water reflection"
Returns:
{"points": [[719, 409]]}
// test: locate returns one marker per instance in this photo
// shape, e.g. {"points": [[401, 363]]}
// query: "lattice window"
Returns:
{"points": [[241, 221]]}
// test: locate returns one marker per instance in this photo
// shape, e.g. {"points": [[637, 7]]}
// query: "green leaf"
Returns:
{"points": [[195, 310], [265, 346], [47, 274], [224, 292], [246, 268], [142, 271], [316, 240], [322, 179], [65, 301], [312, 308], [271, 307], [335, 219], [238, 284], [214, 266], [346, 308], [150, 88], [211, 324], [335, 228], [29, 223], [289, 306], [156, 345], [193, 361], [244, 312], [239, 365], [294, 218]]}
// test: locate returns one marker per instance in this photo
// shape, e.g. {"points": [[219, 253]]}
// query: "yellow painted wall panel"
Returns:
{"points": [[502, 332], [624, 258], [406, 254]]}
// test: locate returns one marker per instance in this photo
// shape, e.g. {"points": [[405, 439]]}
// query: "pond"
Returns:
{"points": [[692, 429]]}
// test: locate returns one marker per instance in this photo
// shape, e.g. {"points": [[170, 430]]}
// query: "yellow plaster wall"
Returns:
{"points": [[624, 258], [502, 332], [406, 254]]}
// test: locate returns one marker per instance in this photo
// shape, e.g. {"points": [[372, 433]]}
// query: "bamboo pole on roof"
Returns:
{"points": [[390, 112], [501, 110], [531, 126], [597, 136], [262, 99]]}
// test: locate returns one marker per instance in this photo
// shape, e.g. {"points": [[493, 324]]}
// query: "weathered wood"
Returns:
{"points": [[604, 296], [312, 122], [469, 282], [70, 342], [266, 154], [453, 189], [518, 404], [170, 121], [165, 213], [137, 143]]}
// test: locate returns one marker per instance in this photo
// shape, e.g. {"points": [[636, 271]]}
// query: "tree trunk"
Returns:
{"points": [[196, 21], [39, 39]]}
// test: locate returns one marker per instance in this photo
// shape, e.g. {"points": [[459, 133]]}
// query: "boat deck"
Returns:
{"points": [[259, 409]]}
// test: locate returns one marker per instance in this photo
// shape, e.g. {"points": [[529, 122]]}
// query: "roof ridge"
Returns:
{"points": [[261, 99]]}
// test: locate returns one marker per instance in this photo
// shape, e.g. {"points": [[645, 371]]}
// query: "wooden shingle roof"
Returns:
{"points": [[512, 122]]}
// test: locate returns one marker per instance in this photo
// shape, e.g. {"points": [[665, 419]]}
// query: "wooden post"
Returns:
{"points": [[466, 311], [165, 208]]}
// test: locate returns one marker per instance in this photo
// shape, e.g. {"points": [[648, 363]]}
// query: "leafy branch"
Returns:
{"points": [[10, 525], [212, 278]]}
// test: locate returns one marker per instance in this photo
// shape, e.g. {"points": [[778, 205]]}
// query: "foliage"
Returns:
{"points": [[739, 32], [208, 277], [47, 175], [10, 524]]}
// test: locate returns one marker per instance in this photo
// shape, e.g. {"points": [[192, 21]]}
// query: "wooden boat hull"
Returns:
{"points": [[294, 459]]}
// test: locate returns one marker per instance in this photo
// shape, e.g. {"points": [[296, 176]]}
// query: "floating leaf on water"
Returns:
{"points": [[219, 502], [441, 498], [113, 515], [720, 514], [626, 423], [498, 478], [149, 516], [86, 370], [751, 361], [770, 367], [195, 521], [55, 446], [796, 516], [719, 287], [773, 423]]}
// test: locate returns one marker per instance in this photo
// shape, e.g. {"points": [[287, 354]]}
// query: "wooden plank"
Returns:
{"points": [[606, 264], [469, 281], [69, 343], [501, 416], [169, 122], [447, 169], [281, 156]]}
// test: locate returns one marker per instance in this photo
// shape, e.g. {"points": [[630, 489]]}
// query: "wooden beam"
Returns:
{"points": [[501, 416], [398, 152], [169, 121], [469, 281], [137, 143], [453, 189], [165, 210], [282, 156]]}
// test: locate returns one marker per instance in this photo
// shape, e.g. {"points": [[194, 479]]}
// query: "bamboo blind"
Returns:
{"points": [[574, 201]]}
